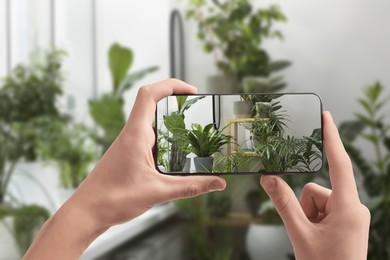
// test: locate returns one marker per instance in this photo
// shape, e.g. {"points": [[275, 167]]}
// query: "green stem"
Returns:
{"points": [[7, 179]]}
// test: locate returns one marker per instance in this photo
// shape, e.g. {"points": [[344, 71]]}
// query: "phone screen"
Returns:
{"points": [[239, 133]]}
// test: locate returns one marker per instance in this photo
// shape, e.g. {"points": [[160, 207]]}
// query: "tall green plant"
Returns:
{"points": [[234, 32], [372, 126], [107, 110], [28, 105]]}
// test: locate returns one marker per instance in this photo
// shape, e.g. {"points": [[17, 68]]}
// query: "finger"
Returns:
{"points": [[340, 167], [145, 105], [314, 199], [191, 186], [285, 203]]}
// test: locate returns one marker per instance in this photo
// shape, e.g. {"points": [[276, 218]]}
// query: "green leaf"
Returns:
{"points": [[372, 138], [132, 78], [350, 130], [366, 120], [366, 105], [275, 66], [120, 60], [174, 121], [188, 103], [108, 114], [180, 101]]}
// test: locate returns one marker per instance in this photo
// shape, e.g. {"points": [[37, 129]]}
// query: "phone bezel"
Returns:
{"points": [[155, 150]]}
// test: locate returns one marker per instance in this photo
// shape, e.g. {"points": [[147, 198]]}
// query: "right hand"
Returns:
{"points": [[324, 224]]}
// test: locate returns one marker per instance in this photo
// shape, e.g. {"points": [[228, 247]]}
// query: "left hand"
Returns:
{"points": [[122, 186]]}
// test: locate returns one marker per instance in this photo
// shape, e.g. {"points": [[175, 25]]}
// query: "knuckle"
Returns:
{"points": [[309, 188], [144, 91], [193, 190], [174, 81]]}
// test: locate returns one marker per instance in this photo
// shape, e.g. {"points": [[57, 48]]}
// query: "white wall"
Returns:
{"points": [[337, 47], [3, 39]]}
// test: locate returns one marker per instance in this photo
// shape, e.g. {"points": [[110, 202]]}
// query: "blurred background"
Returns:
{"points": [[70, 71]]}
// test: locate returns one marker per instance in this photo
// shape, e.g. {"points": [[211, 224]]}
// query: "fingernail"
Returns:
{"points": [[215, 186], [269, 184]]}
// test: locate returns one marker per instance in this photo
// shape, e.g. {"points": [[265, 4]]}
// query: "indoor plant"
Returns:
{"points": [[107, 111], [177, 134], [72, 149], [28, 105], [204, 143], [234, 32], [374, 170]]}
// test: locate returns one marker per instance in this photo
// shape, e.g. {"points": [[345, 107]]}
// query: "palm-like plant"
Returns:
{"points": [[204, 141], [372, 126]]}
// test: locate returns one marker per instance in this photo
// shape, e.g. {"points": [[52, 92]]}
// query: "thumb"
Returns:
{"points": [[286, 203], [192, 186]]}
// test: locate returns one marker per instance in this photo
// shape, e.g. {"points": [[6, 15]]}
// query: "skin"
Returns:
{"points": [[324, 224], [123, 185]]}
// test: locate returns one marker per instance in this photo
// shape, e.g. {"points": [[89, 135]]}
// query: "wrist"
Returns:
{"points": [[66, 235]]}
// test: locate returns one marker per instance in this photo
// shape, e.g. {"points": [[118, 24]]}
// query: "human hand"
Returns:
{"points": [[324, 224], [123, 185]]}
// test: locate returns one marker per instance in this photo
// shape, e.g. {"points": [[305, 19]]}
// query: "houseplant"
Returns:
{"points": [[373, 169], [234, 32], [107, 111], [177, 134], [72, 149], [28, 105], [204, 143]]}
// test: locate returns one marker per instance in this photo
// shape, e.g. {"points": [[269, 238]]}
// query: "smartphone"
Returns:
{"points": [[239, 133]]}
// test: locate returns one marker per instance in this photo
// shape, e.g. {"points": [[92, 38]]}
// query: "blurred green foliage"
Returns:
{"points": [[372, 126], [73, 150], [28, 105], [27, 220], [107, 111], [234, 32]]}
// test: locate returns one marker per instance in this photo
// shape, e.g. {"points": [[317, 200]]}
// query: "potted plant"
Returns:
{"points": [[28, 104], [374, 172], [73, 150], [107, 110], [234, 32], [204, 143], [178, 144]]}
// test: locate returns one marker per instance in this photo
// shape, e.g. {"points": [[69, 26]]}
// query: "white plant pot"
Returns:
{"points": [[265, 242], [187, 165], [8, 247]]}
